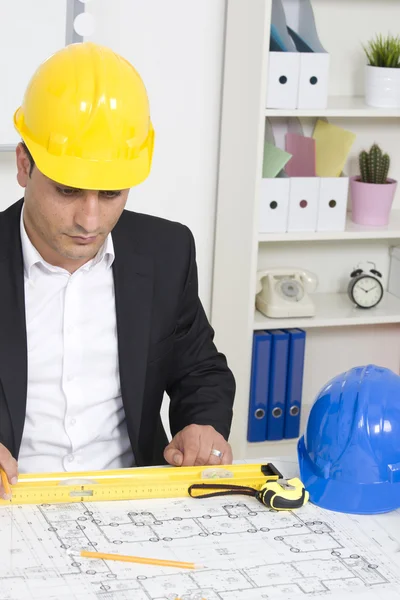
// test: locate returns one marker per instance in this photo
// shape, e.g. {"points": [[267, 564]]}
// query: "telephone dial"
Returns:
{"points": [[285, 292]]}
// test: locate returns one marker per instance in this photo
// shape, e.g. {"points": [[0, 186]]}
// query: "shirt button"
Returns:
{"points": [[70, 377], [72, 421], [70, 329], [70, 458]]}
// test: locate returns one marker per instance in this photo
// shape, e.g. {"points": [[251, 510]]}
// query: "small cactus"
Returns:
{"points": [[374, 166], [386, 164], [364, 166], [374, 160]]}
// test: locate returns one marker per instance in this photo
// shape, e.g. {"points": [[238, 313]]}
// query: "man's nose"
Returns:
{"points": [[87, 215]]}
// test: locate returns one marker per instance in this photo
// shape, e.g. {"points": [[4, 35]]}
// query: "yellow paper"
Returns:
{"points": [[332, 147]]}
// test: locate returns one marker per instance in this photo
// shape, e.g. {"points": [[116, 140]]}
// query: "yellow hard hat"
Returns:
{"points": [[85, 119]]}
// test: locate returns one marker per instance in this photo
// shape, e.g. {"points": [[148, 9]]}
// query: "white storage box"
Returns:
{"points": [[332, 203], [283, 79], [298, 74], [274, 205], [313, 80], [303, 203]]}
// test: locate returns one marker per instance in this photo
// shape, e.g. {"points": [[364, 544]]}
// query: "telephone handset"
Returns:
{"points": [[284, 292]]}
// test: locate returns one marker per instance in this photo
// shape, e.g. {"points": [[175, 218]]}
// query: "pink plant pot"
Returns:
{"points": [[371, 202]]}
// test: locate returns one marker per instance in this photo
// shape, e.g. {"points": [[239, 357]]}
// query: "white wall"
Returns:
{"points": [[10, 190], [177, 46], [343, 26]]}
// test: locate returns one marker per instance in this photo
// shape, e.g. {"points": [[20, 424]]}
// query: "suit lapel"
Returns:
{"points": [[133, 282], [13, 345]]}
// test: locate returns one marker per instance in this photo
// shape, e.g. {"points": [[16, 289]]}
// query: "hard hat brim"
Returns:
{"points": [[91, 174]]}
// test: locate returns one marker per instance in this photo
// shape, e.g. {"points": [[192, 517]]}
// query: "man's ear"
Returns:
{"points": [[23, 165]]}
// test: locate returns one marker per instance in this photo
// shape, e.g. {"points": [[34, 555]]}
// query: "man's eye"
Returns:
{"points": [[67, 191], [111, 194]]}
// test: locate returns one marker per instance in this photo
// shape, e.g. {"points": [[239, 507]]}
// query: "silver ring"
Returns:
{"points": [[216, 453]]}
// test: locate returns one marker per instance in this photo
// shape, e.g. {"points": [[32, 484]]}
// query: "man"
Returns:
{"points": [[95, 326]]}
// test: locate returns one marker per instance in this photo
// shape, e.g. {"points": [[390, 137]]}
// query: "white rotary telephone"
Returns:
{"points": [[283, 292]]}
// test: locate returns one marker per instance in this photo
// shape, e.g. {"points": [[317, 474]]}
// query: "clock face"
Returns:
{"points": [[367, 291]]}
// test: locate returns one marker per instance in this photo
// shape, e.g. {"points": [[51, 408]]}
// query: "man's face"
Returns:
{"points": [[66, 225]]}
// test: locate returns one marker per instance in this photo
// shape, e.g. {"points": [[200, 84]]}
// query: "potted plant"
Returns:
{"points": [[382, 73], [372, 192]]}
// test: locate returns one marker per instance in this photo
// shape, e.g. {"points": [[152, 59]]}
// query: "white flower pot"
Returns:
{"points": [[382, 87]]}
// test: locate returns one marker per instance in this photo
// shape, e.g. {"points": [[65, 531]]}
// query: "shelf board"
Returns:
{"points": [[7, 147], [351, 232], [335, 310], [338, 106]]}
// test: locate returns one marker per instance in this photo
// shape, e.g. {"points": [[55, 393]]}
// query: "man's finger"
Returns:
{"points": [[227, 457], [9, 465], [215, 458], [173, 453], [10, 468], [204, 453], [190, 451], [5, 490], [173, 456]]}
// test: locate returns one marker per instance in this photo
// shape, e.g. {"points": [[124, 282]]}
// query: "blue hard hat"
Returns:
{"points": [[349, 456]]}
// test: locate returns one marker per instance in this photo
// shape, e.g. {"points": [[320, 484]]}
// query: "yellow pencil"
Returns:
{"points": [[139, 559], [5, 483]]}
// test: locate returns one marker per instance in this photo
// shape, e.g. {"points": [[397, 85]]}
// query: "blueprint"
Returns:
{"points": [[247, 551]]}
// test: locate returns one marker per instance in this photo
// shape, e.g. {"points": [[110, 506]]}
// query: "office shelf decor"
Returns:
{"points": [[382, 73], [298, 64], [373, 191], [293, 197], [340, 335]]}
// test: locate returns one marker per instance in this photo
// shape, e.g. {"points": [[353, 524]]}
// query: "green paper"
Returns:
{"points": [[274, 160]]}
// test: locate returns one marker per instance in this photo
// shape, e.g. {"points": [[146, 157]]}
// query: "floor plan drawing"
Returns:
{"points": [[246, 552]]}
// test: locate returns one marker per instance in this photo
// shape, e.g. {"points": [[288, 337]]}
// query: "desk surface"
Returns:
{"points": [[247, 551]]}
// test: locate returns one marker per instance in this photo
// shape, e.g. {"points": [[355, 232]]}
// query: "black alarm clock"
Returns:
{"points": [[365, 289]]}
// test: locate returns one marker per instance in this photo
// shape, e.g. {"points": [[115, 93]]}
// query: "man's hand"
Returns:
{"points": [[10, 467], [193, 445]]}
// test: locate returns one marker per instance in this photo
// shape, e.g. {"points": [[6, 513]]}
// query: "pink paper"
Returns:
{"points": [[302, 163]]}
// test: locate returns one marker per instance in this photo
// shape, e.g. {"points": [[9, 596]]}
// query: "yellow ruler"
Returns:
{"points": [[132, 484]]}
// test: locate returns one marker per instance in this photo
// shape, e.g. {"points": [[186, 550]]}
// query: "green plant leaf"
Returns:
{"points": [[383, 51]]}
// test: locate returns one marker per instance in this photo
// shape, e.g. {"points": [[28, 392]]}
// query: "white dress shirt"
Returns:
{"points": [[74, 417]]}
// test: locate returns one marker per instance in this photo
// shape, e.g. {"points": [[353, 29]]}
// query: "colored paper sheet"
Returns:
{"points": [[274, 160], [332, 147], [302, 148]]}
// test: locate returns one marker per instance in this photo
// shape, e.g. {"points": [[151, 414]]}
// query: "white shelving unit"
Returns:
{"points": [[352, 232], [338, 106], [339, 336], [334, 310]]}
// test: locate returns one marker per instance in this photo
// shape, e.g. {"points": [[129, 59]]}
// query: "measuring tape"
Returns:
{"points": [[287, 495], [150, 482]]}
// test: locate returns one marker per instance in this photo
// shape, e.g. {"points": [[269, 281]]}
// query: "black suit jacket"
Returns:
{"points": [[165, 342]]}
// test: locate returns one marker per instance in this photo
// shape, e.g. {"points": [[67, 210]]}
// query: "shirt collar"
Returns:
{"points": [[32, 257]]}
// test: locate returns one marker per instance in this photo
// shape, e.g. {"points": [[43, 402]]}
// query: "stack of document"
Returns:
{"points": [[303, 185], [298, 69], [324, 154]]}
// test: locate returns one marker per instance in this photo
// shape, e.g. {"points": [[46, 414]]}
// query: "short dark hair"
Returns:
{"points": [[30, 157]]}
